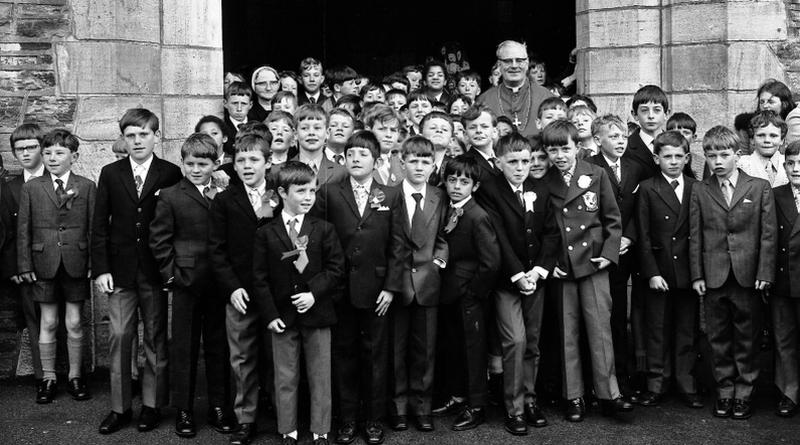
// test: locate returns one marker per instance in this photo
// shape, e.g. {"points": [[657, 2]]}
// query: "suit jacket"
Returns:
{"points": [[487, 170], [230, 131], [275, 280], [8, 234], [328, 171], [51, 232], [526, 239], [588, 216], [787, 263], [121, 228], [739, 239], [364, 239], [327, 103], [638, 151], [231, 172], [414, 267], [474, 256], [624, 191], [179, 237], [396, 172], [663, 225]]}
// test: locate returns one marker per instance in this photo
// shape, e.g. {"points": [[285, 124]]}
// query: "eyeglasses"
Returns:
{"points": [[28, 148], [518, 61]]}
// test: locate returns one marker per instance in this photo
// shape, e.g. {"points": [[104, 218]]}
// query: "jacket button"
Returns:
{"points": [[61, 229], [529, 230], [138, 224], [569, 248], [139, 210], [583, 227], [414, 269], [580, 207], [783, 249], [567, 229], [674, 257], [138, 239], [666, 217], [584, 244], [565, 210], [673, 238], [60, 244]]}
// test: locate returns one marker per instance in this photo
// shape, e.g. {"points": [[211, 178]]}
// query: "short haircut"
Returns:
{"points": [[461, 97], [581, 98], [741, 121], [350, 99], [475, 111], [506, 120], [340, 74], [238, 89], [396, 92], [792, 149], [551, 103], [308, 63], [431, 64], [764, 118], [559, 133], [279, 115], [253, 127], [26, 131], [437, 115], [211, 119], [468, 75], [372, 87], [536, 143], [341, 112], [506, 43], [412, 69], [139, 117], [120, 146], [580, 110], [462, 166], [681, 120], [650, 93], [511, 143], [366, 139], [200, 145], [254, 142], [310, 112], [720, 137], [418, 95], [396, 78], [672, 138], [65, 139], [295, 173], [383, 114], [280, 95], [439, 105], [417, 146], [606, 120]]}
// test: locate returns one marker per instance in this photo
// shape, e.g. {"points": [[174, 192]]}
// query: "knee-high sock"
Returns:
{"points": [[47, 352], [75, 351]]}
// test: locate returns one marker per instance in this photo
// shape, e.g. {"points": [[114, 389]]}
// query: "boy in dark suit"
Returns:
{"points": [[384, 122], [124, 268], [311, 122], [53, 234], [437, 127], [179, 240], [236, 214], [237, 102], [589, 219], [650, 110], [361, 211], [421, 252], [474, 257], [297, 269], [732, 233], [663, 248], [480, 126], [784, 304]]}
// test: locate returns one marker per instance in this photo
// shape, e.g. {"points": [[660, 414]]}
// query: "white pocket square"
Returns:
{"points": [[383, 209], [747, 201]]}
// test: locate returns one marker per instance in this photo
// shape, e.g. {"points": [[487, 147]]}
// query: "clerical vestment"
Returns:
{"points": [[520, 106]]}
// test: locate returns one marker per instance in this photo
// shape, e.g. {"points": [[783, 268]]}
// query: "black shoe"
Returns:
{"points": [[374, 433], [184, 423], [723, 408], [692, 400], [77, 389], [319, 441], [741, 409], [612, 407], [246, 433], [399, 423], [221, 420], [495, 386], [424, 423], [346, 433], [575, 411], [786, 408], [516, 425], [452, 406], [650, 399], [115, 421], [46, 391], [288, 441], [534, 415], [469, 419], [148, 418]]}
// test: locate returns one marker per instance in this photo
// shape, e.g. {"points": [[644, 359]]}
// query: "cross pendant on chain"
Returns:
{"points": [[516, 120]]}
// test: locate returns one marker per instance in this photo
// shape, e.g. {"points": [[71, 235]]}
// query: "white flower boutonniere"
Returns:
{"points": [[584, 181], [529, 198]]}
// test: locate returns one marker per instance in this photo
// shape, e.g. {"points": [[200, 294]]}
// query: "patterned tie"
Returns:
{"points": [[727, 191], [771, 173], [339, 159], [60, 192], [796, 193], [255, 198], [417, 221], [139, 185], [615, 168], [302, 258], [360, 193], [493, 163], [314, 168], [209, 192], [312, 99], [567, 177]]}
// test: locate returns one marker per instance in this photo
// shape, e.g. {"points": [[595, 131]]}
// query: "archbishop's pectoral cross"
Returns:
{"points": [[516, 121]]}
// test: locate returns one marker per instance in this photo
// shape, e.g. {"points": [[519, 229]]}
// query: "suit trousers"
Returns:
{"points": [[122, 304], [587, 298], [413, 357], [360, 362], [463, 349], [785, 319], [671, 320], [733, 318], [315, 344], [519, 321], [618, 276], [194, 315], [244, 332]]}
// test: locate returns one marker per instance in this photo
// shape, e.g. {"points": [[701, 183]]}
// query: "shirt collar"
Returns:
{"points": [[610, 162], [305, 159], [202, 186], [367, 185], [64, 178], [260, 189], [237, 123], [733, 179], [489, 156], [144, 165], [461, 203], [330, 154], [516, 188], [408, 190], [517, 88], [669, 180], [286, 218], [26, 176]]}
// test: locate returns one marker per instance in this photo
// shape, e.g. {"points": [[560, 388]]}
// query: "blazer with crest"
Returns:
{"points": [[663, 225], [624, 191], [121, 229], [588, 216], [52, 232], [787, 264], [738, 239], [276, 279], [364, 239]]}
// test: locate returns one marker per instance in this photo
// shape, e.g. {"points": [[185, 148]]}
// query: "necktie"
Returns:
{"points": [[567, 177], [302, 258], [60, 192], [417, 221], [726, 191], [314, 168], [433, 179], [674, 183], [519, 198], [771, 173], [452, 219], [615, 168], [493, 163], [312, 99], [139, 184], [255, 199], [796, 193], [360, 193], [209, 192], [339, 159]]}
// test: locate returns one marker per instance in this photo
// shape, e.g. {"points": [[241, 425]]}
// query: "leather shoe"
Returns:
{"points": [[575, 411], [346, 433], [452, 406], [77, 389], [534, 415], [723, 408], [46, 391], [612, 407], [221, 420], [374, 433], [289, 441], [184, 423], [320, 441], [693, 401], [246, 433], [650, 398], [424, 423], [469, 419], [115, 421], [741, 409], [399, 423], [786, 408], [516, 425], [148, 418]]}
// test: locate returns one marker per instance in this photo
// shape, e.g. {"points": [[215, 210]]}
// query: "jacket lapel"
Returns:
{"points": [[574, 191], [280, 231], [556, 185], [431, 204], [239, 197], [742, 187], [511, 197], [667, 194], [688, 183], [349, 197], [784, 201], [153, 176], [610, 171], [49, 188], [368, 210], [715, 191], [126, 175], [190, 190]]}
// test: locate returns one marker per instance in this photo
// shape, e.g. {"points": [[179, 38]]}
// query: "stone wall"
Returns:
{"points": [[79, 64]]}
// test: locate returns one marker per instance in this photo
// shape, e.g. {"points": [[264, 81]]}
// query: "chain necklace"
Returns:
{"points": [[516, 120]]}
